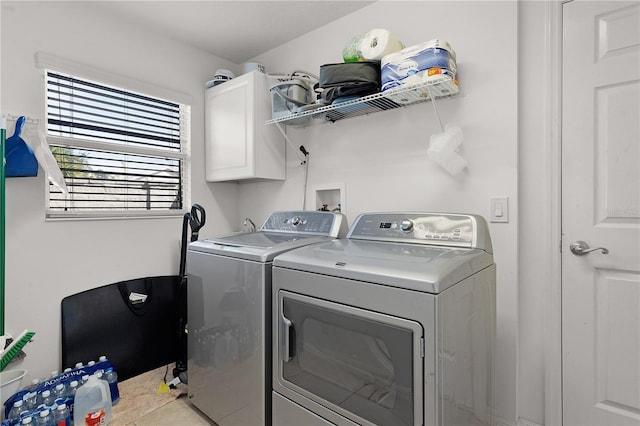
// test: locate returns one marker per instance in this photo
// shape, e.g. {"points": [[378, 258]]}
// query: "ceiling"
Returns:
{"points": [[233, 30]]}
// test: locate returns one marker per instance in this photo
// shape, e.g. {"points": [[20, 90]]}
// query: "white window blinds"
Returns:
{"points": [[121, 153]]}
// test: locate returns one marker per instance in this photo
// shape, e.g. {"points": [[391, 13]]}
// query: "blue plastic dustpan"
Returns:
{"points": [[20, 160]]}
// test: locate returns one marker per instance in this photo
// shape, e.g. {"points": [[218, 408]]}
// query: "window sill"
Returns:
{"points": [[120, 215]]}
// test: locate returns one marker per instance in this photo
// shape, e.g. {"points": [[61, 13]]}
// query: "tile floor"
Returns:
{"points": [[176, 413]]}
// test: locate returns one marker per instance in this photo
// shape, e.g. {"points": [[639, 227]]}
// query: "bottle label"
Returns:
{"points": [[95, 418]]}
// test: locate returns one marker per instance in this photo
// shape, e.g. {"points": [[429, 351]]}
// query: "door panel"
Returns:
{"points": [[601, 206], [617, 295], [616, 173]]}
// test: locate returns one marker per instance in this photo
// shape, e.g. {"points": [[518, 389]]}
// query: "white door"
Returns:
{"points": [[601, 206]]}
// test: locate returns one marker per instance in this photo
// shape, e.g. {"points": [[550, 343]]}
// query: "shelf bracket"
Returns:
{"points": [[286, 138]]}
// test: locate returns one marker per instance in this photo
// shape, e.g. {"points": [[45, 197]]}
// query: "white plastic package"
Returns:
{"points": [[443, 149], [37, 140]]}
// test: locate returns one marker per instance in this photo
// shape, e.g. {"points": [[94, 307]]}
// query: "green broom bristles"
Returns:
{"points": [[15, 347]]}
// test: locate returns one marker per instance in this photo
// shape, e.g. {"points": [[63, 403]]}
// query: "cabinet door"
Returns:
{"points": [[238, 143], [229, 130]]}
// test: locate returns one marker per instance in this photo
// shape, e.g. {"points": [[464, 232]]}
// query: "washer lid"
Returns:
{"points": [[256, 246], [418, 267], [256, 239]]}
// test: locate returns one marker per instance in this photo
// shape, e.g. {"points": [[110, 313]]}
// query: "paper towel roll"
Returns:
{"points": [[377, 43]]}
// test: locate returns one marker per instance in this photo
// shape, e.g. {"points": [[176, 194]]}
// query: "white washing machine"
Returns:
{"points": [[229, 313], [394, 325]]}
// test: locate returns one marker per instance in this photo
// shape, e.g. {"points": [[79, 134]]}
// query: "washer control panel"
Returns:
{"points": [[449, 229], [305, 222]]}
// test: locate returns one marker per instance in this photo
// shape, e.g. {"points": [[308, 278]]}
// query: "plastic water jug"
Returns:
{"points": [[92, 405]]}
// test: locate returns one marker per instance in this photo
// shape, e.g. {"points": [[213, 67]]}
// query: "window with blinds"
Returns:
{"points": [[121, 153]]}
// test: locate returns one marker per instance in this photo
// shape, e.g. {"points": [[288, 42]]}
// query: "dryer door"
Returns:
{"points": [[361, 364]]}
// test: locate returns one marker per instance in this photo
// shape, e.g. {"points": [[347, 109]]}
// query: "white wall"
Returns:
{"points": [[48, 260], [381, 158]]}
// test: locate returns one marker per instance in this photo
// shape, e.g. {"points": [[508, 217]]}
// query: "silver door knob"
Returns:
{"points": [[580, 248]]}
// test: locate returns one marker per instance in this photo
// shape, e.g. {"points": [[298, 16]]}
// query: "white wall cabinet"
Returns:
{"points": [[238, 144]]}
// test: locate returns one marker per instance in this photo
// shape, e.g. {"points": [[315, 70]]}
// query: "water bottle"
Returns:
{"points": [[58, 391], [46, 398], [27, 421], [79, 365], [33, 386], [17, 409], [61, 416], [30, 400], [112, 378], [71, 390], [92, 405], [44, 419]]}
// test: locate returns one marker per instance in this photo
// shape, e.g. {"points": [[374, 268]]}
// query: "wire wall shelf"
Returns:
{"points": [[439, 87]]}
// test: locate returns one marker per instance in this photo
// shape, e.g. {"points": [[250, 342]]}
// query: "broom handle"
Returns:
{"points": [[3, 136]]}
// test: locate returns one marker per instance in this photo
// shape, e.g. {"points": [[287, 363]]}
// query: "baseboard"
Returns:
{"points": [[521, 422], [525, 422]]}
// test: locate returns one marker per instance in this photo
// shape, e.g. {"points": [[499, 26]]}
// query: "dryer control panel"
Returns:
{"points": [[446, 229]]}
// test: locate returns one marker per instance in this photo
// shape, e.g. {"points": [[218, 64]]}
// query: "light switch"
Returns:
{"points": [[499, 209]]}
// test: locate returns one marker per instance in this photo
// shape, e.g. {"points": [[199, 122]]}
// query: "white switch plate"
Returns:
{"points": [[499, 209]]}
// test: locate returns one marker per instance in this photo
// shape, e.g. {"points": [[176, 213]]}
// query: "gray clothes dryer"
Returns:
{"points": [[229, 313], [394, 325]]}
